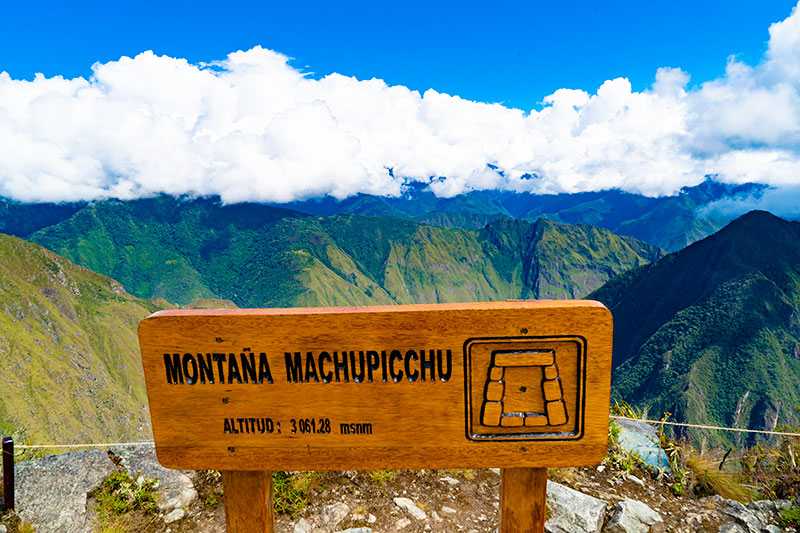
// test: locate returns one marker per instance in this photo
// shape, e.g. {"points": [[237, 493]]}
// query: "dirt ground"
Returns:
{"points": [[454, 501]]}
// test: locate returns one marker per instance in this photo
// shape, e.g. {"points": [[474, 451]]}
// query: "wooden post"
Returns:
{"points": [[8, 473], [523, 500], [248, 501]]}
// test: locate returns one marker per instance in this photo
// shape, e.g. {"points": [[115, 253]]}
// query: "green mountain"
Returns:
{"points": [[712, 333], [669, 222], [69, 360], [21, 219], [256, 255]]}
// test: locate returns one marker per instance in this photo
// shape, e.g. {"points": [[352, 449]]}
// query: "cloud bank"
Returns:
{"points": [[253, 128]]}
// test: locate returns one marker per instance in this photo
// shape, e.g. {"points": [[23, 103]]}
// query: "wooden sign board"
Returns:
{"points": [[506, 384]]}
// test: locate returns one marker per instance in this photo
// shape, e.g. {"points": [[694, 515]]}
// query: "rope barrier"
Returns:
{"points": [[702, 426], [616, 417], [96, 445]]}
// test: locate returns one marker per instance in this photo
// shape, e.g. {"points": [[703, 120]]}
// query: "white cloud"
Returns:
{"points": [[251, 127]]}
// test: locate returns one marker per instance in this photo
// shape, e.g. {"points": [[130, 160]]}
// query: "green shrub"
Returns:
{"points": [[790, 517], [121, 494], [291, 490]]}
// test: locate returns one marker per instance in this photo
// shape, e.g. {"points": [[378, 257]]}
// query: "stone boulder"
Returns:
{"points": [[572, 511], [175, 488], [642, 438], [51, 492], [632, 516]]}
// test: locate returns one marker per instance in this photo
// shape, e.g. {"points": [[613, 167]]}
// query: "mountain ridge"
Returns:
{"points": [[711, 333], [259, 255]]}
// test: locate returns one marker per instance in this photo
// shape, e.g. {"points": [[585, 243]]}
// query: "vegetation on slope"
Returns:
{"points": [[669, 222], [712, 333], [256, 255], [69, 359]]}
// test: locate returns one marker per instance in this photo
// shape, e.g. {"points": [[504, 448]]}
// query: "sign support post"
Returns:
{"points": [[519, 385], [523, 500], [248, 501]]}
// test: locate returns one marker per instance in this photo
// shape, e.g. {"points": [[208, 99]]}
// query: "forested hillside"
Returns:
{"points": [[712, 333], [260, 256]]}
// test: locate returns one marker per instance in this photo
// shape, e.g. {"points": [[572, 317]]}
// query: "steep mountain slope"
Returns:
{"points": [[69, 359], [256, 255], [712, 333]]}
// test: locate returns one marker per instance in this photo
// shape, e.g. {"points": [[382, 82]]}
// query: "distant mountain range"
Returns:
{"points": [[669, 222], [260, 256], [712, 333]]}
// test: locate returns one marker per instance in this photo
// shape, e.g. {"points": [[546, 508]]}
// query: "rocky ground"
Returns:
{"points": [[57, 494]]}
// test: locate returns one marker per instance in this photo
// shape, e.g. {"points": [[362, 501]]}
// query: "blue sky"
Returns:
{"points": [[278, 102], [510, 52]]}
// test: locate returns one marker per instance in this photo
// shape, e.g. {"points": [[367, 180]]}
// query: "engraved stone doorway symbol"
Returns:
{"points": [[525, 388], [493, 411]]}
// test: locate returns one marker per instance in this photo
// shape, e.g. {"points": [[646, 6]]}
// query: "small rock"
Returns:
{"points": [[174, 516], [749, 519], [573, 511], [356, 530], [495, 471], [448, 510], [636, 480], [731, 527], [695, 519], [3, 529], [448, 479], [303, 526], [436, 517], [411, 507], [371, 519], [333, 514], [631, 516], [600, 468], [403, 522], [712, 501]]}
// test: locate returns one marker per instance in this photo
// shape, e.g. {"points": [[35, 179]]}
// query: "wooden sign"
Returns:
{"points": [[506, 384]]}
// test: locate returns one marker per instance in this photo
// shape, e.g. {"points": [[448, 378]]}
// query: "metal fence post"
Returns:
{"points": [[8, 473]]}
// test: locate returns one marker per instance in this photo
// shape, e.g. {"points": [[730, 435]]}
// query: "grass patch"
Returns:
{"points": [[790, 518], [708, 479], [291, 490], [121, 494], [381, 477]]}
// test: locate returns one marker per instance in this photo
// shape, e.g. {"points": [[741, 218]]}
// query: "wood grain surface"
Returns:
{"points": [[504, 384], [248, 502], [523, 500]]}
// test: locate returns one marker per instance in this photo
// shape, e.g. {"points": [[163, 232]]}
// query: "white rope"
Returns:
{"points": [[616, 417], [701, 426], [97, 445]]}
